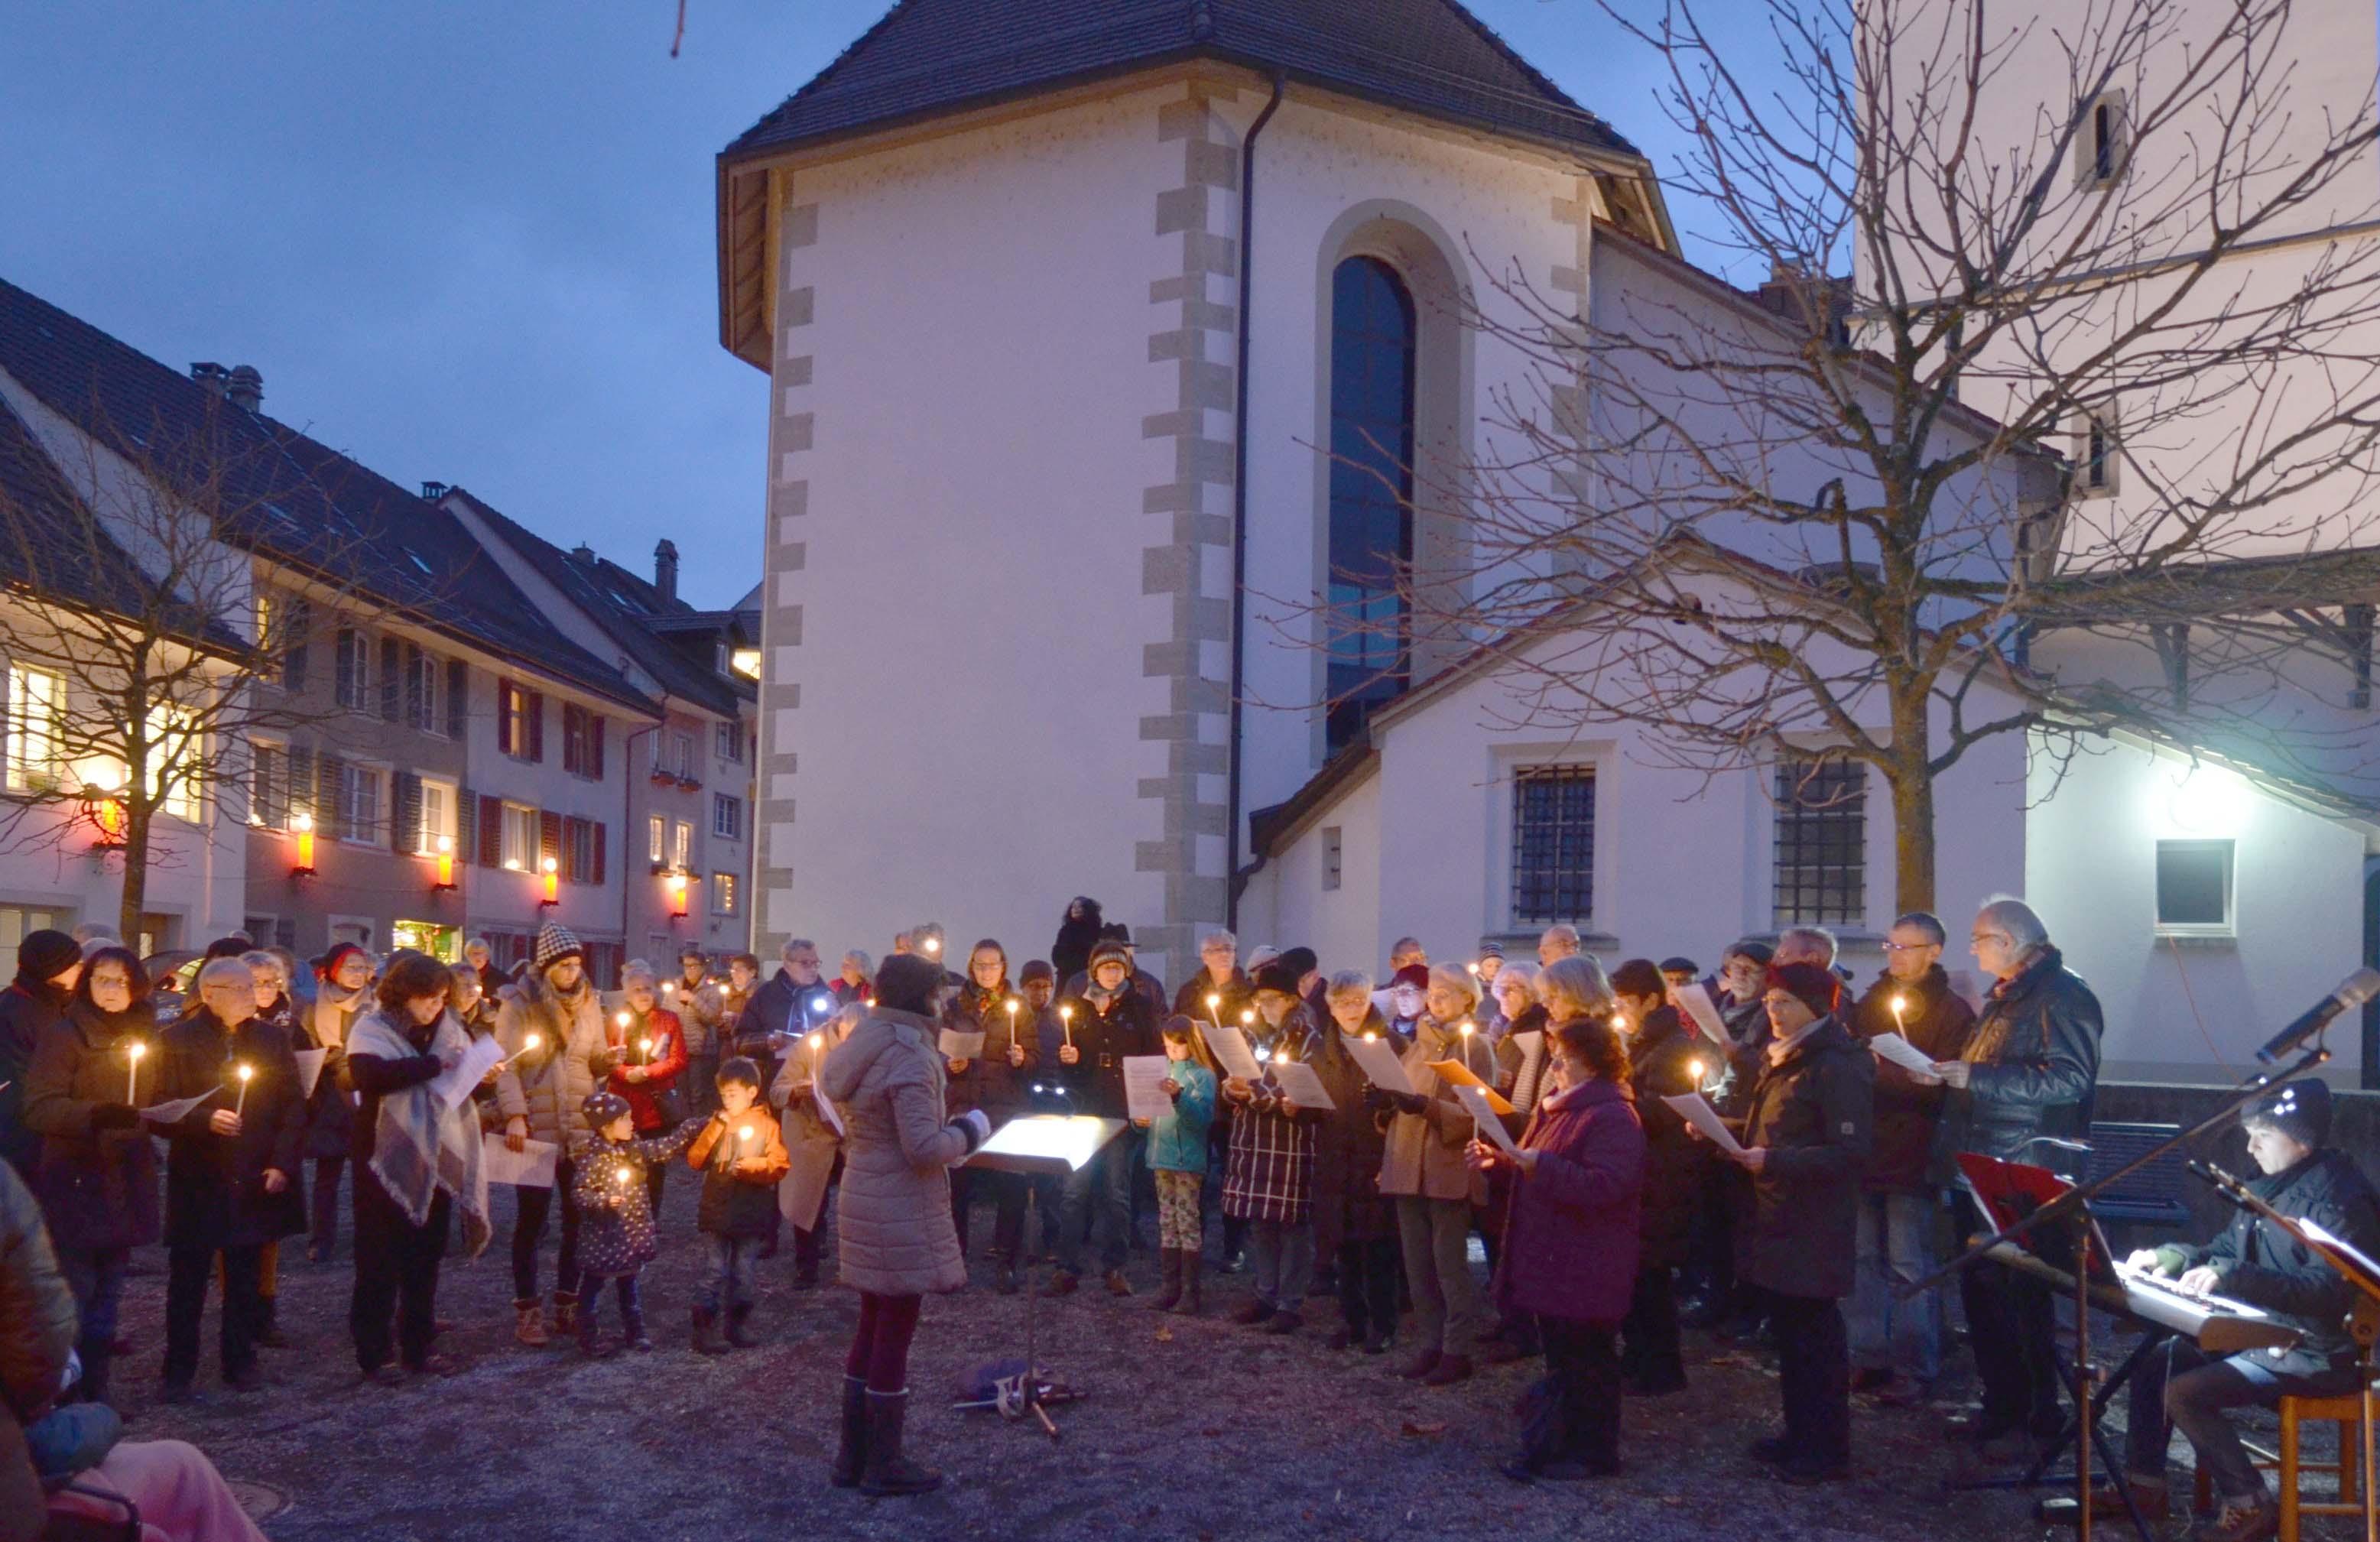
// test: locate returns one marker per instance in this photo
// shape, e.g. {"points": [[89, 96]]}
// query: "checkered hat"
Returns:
{"points": [[555, 944]]}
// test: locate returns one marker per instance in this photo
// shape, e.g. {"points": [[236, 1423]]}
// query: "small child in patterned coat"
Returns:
{"points": [[617, 1238]]}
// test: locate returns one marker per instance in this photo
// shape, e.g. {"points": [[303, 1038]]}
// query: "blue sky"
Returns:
{"points": [[472, 242]]}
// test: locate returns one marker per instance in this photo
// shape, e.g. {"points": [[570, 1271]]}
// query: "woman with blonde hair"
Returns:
{"points": [[1424, 1170]]}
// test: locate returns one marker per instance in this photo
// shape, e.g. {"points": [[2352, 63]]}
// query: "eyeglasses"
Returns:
{"points": [[1909, 947], [1992, 937]]}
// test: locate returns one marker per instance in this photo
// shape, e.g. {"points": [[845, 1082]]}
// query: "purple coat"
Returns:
{"points": [[1570, 1246]]}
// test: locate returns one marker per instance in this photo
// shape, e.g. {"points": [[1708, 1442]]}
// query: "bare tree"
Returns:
{"points": [[2079, 446], [162, 582]]}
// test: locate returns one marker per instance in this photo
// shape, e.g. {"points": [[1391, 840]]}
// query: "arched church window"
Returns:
{"points": [[1368, 632]]}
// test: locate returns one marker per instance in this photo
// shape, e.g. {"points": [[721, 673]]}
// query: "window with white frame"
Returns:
{"points": [[726, 817], [1553, 843], [682, 746], [681, 852], [359, 802], [722, 894], [520, 837], [656, 839], [35, 699], [422, 673], [351, 671], [2194, 890], [175, 741], [727, 741], [267, 787], [437, 820]]}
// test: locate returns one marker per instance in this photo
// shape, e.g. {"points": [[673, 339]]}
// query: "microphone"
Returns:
{"points": [[2352, 992]]}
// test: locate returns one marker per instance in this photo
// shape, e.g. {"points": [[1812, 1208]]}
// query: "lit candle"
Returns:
{"points": [[624, 1176], [1370, 1038], [1248, 1019], [644, 1051], [246, 1073], [1899, 1005], [133, 1051], [744, 1137], [1474, 967], [1619, 1022], [933, 945], [1695, 1069], [1066, 1022], [1214, 1007], [529, 1043]]}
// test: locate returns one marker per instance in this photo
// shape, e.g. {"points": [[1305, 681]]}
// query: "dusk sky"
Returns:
{"points": [[473, 243]]}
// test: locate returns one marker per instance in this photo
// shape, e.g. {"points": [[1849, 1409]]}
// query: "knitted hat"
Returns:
{"points": [[46, 955], [328, 964], [1814, 985], [601, 1108], [1107, 949], [1414, 975], [1278, 975], [2299, 1110], [1037, 969], [1300, 962], [1490, 948], [555, 944]]}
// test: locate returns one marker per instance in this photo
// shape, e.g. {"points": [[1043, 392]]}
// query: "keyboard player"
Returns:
{"points": [[2181, 1386]]}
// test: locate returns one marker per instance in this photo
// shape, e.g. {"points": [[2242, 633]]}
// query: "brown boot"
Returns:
{"points": [[564, 1320], [1171, 1259], [1193, 1294], [529, 1324], [1449, 1369]]}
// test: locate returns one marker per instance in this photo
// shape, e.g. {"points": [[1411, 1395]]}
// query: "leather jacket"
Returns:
{"points": [[2035, 1055]]}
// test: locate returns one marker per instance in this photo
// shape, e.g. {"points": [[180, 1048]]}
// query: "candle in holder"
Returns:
{"points": [[246, 1073], [133, 1049]]}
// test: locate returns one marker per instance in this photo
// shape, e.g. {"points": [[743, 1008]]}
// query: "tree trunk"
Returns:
{"points": [[1912, 779], [137, 815]]}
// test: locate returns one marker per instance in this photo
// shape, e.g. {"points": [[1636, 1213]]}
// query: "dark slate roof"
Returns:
{"points": [[631, 611], [926, 57], [287, 497]]}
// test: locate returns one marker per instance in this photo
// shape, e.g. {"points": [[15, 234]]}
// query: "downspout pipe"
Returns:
{"points": [[1232, 796]]}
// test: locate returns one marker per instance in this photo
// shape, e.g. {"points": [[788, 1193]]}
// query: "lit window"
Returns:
{"points": [[520, 838], [2194, 889], [722, 894], [745, 662], [437, 820], [174, 761], [657, 838], [682, 857], [34, 699]]}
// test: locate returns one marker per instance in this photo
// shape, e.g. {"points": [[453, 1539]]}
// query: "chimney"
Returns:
{"points": [[582, 553], [245, 388], [433, 492], [214, 377], [665, 569]]}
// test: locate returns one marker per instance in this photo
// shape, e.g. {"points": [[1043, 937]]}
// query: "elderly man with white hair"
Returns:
{"points": [[2024, 1082], [1557, 943]]}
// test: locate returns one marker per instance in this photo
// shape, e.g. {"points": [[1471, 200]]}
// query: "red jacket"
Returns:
{"points": [[1570, 1249], [663, 1066]]}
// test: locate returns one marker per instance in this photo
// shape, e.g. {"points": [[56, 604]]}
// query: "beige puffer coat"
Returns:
{"points": [[549, 1085], [1425, 1151], [894, 1211]]}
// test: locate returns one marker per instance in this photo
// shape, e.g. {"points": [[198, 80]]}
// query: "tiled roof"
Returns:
{"points": [[288, 497], [930, 56], [629, 609]]}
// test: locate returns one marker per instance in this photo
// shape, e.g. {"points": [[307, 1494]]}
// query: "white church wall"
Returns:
{"points": [[2193, 1009]]}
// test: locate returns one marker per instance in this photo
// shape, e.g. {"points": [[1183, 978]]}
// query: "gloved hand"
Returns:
{"points": [[1409, 1102], [114, 1116], [976, 1124]]}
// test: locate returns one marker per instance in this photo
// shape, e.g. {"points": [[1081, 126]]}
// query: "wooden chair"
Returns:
{"points": [[2346, 1412]]}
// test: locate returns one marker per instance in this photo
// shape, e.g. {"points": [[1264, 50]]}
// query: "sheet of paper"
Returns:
{"points": [[1696, 1111], [1300, 1085], [1143, 1086], [961, 1046], [309, 1068], [1907, 1056], [1694, 999], [1231, 1048], [479, 1056], [1074, 1139], [1491, 1129], [826, 1108], [1454, 1073], [529, 1168], [1381, 1067], [179, 1110]]}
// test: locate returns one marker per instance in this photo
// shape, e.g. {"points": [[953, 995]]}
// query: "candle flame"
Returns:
{"points": [[1248, 1018], [246, 1072], [1214, 1000], [624, 1173], [1620, 1022], [136, 1049], [1011, 1005], [1371, 1039], [1900, 1005], [744, 1133], [1473, 967], [817, 1039], [532, 1042], [1067, 1012], [621, 1018], [1465, 1027], [1695, 1069], [643, 1046], [933, 945]]}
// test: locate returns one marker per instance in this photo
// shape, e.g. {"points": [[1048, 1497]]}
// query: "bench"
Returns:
{"points": [[2150, 1196]]}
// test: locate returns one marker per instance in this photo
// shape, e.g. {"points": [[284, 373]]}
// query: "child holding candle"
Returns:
{"points": [[741, 1160], [1177, 1159], [616, 1239]]}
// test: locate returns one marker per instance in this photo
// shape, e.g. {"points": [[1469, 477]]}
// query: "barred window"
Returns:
{"points": [[1553, 843], [1821, 842]]}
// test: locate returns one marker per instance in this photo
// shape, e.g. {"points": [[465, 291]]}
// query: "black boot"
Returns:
{"points": [[95, 1362], [267, 1324], [853, 1455], [706, 1332], [1169, 1260], [737, 1334], [1193, 1293], [591, 1335], [886, 1472]]}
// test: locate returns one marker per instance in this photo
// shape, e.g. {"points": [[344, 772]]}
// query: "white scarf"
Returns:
{"points": [[420, 1145]]}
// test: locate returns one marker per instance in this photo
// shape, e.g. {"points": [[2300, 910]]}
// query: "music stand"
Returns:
{"points": [[2359, 1271], [1041, 1146]]}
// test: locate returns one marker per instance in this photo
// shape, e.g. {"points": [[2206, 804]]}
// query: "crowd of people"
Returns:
{"points": [[1611, 1219]]}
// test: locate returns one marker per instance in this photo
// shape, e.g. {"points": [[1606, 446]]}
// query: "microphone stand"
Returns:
{"points": [[2073, 1206]]}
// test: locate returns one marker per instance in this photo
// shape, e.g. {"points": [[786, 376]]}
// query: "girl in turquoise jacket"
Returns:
{"points": [[1177, 1158]]}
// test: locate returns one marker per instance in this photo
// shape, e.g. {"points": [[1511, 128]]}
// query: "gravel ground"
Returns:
{"points": [[1193, 1429]]}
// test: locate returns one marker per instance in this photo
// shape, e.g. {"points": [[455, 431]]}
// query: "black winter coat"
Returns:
{"points": [[2035, 1059], [2265, 1266], [27, 1007], [1095, 1082], [214, 1185], [97, 1186], [1938, 1021], [1349, 1146], [1662, 1060], [782, 1007], [1813, 1114], [330, 1113], [1238, 993], [989, 1083]]}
